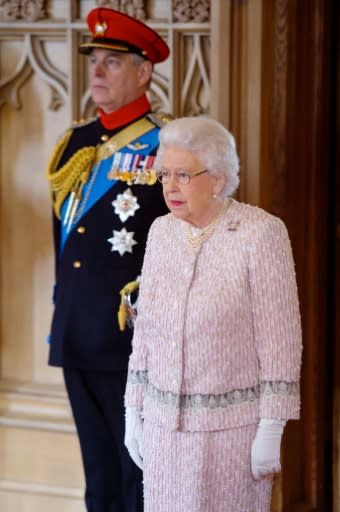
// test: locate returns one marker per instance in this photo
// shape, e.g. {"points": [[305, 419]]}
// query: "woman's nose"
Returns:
{"points": [[172, 177], [172, 183]]}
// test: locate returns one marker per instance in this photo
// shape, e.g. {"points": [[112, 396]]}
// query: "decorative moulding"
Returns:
{"points": [[24, 10], [35, 406]]}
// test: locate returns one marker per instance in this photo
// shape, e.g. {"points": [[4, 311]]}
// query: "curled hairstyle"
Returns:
{"points": [[209, 142]]}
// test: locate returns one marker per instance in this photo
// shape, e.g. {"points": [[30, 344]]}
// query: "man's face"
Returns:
{"points": [[117, 78]]}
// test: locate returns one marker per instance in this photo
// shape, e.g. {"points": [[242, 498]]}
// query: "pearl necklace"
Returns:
{"points": [[204, 233]]}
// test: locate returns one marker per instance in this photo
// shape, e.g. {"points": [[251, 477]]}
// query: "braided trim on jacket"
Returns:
{"points": [[76, 169], [210, 400]]}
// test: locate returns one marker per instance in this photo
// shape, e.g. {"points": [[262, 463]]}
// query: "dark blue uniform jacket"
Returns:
{"points": [[89, 274]]}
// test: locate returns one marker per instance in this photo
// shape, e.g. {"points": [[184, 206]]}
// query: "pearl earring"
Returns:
{"points": [[214, 196]]}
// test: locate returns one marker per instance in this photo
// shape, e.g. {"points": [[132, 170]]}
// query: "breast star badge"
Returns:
{"points": [[125, 205], [122, 241]]}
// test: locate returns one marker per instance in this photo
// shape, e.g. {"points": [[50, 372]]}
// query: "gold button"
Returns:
{"points": [[81, 229], [77, 264], [104, 137]]}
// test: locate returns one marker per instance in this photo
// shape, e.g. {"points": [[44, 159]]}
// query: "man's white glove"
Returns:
{"points": [[133, 439], [265, 450]]}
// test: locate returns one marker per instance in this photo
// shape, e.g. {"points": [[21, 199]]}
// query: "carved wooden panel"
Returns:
{"points": [[296, 177]]}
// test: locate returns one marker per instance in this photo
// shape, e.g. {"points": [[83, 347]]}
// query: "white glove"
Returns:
{"points": [[265, 450], [133, 439]]}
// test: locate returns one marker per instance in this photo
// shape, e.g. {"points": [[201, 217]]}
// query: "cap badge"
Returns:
{"points": [[100, 28]]}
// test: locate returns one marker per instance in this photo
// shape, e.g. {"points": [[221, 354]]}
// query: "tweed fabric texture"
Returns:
{"points": [[217, 340], [202, 472]]}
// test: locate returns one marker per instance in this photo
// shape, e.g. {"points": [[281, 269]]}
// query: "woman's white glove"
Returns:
{"points": [[265, 450], [133, 439]]}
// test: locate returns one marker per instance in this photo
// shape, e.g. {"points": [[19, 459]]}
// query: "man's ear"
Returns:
{"points": [[144, 73]]}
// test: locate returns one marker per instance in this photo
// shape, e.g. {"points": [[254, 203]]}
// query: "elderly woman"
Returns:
{"points": [[214, 371]]}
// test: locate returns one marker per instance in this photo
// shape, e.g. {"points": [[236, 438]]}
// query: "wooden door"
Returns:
{"points": [[298, 172]]}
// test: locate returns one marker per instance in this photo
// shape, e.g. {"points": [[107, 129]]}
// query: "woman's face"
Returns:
{"points": [[193, 202]]}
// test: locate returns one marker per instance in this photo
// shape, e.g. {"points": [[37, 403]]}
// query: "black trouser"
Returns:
{"points": [[113, 481]]}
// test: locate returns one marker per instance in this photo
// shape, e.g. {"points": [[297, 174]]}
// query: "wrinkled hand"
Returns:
{"points": [[133, 439], [265, 450]]}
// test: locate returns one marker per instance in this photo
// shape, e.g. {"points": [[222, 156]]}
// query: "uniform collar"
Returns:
{"points": [[125, 114]]}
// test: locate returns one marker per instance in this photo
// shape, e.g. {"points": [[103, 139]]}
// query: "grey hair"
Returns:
{"points": [[207, 139], [137, 59]]}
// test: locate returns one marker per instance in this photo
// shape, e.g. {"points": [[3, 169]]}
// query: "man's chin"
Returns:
{"points": [[104, 106], [100, 97]]}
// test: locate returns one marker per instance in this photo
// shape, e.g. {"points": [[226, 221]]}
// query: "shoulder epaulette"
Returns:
{"points": [[160, 118], [83, 122], [75, 124]]}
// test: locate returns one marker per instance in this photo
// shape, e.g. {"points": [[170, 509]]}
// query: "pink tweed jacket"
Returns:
{"points": [[217, 340]]}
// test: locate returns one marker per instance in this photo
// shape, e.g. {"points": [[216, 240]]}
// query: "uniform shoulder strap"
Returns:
{"points": [[160, 118], [83, 122]]}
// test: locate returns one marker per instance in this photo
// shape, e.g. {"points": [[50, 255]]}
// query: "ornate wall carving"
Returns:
{"points": [[134, 8], [191, 10], [33, 60], [28, 10]]}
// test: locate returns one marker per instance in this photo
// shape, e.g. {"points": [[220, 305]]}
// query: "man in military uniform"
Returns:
{"points": [[105, 197]]}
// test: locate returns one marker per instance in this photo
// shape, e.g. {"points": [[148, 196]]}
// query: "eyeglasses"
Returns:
{"points": [[182, 177]]}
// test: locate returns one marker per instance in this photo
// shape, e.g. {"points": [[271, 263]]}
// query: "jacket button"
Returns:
{"points": [[77, 264], [81, 229]]}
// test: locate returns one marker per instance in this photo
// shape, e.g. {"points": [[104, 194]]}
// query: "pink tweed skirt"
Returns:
{"points": [[202, 472]]}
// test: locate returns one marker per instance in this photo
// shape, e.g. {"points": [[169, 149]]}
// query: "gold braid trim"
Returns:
{"points": [[75, 170]]}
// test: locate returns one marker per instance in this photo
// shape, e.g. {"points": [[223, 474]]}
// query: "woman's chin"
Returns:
{"points": [[178, 213]]}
